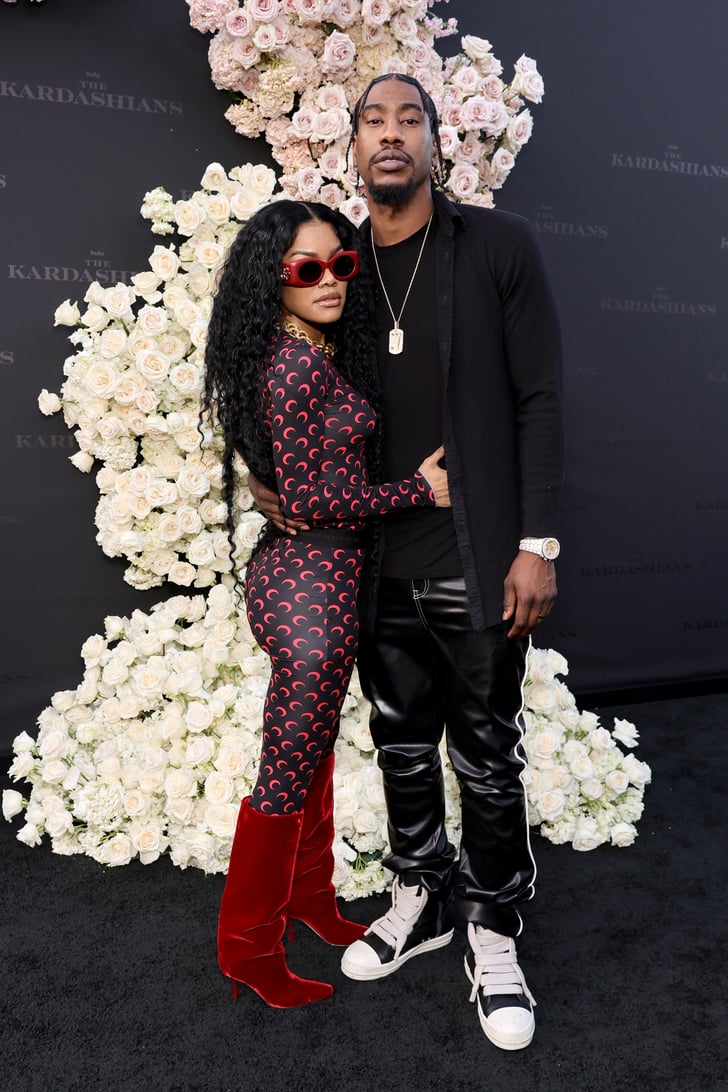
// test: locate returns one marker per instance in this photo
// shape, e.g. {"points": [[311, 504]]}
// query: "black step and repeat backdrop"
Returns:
{"points": [[626, 181]]}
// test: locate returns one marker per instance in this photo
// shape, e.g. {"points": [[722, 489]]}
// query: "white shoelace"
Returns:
{"points": [[496, 964], [399, 921]]}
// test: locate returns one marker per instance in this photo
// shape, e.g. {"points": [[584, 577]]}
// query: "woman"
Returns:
{"points": [[298, 408]]}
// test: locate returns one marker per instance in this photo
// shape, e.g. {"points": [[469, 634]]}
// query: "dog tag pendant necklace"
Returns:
{"points": [[396, 334]]}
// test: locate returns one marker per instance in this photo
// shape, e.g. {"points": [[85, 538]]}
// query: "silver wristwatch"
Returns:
{"points": [[547, 548]]}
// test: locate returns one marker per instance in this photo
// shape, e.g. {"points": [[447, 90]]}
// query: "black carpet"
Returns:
{"points": [[110, 979]]}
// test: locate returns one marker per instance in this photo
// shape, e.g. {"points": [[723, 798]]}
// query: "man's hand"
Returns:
{"points": [[270, 505], [529, 593]]}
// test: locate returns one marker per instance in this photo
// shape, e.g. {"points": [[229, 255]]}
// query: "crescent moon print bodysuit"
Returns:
{"points": [[301, 590]]}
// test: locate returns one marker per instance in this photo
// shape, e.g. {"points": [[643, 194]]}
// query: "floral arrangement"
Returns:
{"points": [[295, 68], [153, 750], [132, 392], [581, 786]]}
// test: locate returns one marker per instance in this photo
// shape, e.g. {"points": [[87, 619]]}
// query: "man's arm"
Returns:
{"points": [[270, 505], [533, 349]]}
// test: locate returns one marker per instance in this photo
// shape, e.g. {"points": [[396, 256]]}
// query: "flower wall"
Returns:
{"points": [[154, 749]]}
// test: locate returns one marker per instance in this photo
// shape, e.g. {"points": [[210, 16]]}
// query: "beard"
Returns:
{"points": [[393, 194]]}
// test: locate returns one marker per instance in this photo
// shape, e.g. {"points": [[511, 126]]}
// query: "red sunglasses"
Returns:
{"points": [[305, 272]]}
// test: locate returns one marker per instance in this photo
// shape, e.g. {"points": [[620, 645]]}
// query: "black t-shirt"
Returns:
{"points": [[417, 543]]}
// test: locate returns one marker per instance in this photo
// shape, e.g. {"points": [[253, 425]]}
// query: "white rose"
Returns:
{"points": [[625, 732], [622, 834], [164, 262], [215, 177], [112, 343], [147, 842], [617, 781], [152, 320], [180, 783], [95, 318], [101, 379], [118, 300], [181, 808], [67, 314], [118, 850], [582, 767], [639, 773], [230, 762], [48, 403], [218, 788], [153, 365], [58, 823], [200, 281], [180, 572], [199, 751], [13, 803], [198, 717], [29, 835], [551, 805], [222, 818], [135, 802], [211, 255], [188, 216], [591, 788], [146, 284], [586, 835]]}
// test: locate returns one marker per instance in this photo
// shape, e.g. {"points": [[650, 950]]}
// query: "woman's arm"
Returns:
{"points": [[311, 487]]}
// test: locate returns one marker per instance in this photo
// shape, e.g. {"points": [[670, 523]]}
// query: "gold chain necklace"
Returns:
{"points": [[290, 327], [396, 334]]}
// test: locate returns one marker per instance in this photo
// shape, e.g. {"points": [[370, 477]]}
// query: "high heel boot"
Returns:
{"points": [[253, 910], [313, 897]]}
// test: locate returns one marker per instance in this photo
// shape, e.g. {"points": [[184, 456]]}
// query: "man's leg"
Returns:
{"points": [[482, 673], [399, 675]]}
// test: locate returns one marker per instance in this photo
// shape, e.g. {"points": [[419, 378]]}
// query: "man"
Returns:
{"points": [[469, 356]]}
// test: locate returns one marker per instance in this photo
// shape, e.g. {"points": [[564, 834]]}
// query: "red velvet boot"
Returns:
{"points": [[253, 910], [313, 898]]}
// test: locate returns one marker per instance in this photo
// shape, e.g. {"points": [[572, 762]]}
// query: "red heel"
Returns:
{"points": [[253, 910], [313, 897]]}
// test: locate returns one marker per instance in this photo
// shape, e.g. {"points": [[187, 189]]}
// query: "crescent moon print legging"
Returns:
{"points": [[301, 602]]}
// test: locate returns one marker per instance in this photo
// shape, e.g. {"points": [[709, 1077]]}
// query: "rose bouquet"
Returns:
{"points": [[295, 68]]}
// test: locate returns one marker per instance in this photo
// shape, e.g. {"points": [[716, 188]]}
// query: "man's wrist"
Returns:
{"points": [[548, 548]]}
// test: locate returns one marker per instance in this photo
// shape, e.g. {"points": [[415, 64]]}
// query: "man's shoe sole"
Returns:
{"points": [[492, 1035], [370, 974]]}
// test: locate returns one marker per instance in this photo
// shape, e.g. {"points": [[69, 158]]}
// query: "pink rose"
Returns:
{"points": [[528, 84], [264, 11], [471, 148], [376, 12], [346, 13], [311, 11], [339, 54], [308, 182], [519, 129], [303, 122], [265, 38], [239, 24], [466, 79], [245, 52], [449, 140], [481, 113], [463, 181], [492, 87]]}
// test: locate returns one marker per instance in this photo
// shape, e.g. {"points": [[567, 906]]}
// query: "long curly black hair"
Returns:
{"points": [[244, 324]]}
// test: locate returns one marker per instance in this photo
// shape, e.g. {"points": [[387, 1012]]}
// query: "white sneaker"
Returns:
{"points": [[504, 1000], [416, 923]]}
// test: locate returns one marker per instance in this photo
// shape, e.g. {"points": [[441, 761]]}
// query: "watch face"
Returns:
{"points": [[551, 549]]}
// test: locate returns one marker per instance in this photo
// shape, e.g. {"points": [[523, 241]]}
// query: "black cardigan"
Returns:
{"points": [[500, 349]]}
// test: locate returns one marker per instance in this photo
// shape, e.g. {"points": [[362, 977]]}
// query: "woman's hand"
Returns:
{"points": [[437, 477]]}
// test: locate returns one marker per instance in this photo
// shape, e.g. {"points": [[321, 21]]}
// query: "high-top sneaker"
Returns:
{"points": [[504, 1000], [418, 921]]}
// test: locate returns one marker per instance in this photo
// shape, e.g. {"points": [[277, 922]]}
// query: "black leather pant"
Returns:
{"points": [[424, 668]]}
